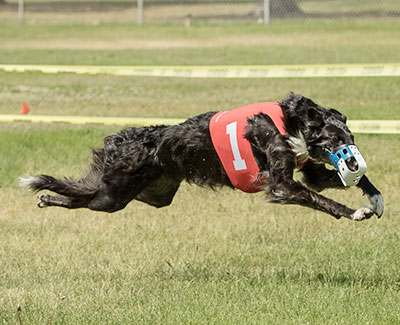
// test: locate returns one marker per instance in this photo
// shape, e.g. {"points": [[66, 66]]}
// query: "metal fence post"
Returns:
{"points": [[266, 12], [21, 12], [140, 11]]}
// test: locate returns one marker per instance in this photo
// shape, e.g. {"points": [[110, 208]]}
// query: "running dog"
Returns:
{"points": [[252, 148]]}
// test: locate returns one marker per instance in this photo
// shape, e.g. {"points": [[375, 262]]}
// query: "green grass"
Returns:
{"points": [[220, 257], [68, 94], [226, 257], [125, 44], [128, 44]]}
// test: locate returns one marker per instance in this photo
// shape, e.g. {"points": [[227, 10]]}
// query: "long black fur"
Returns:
{"points": [[149, 163]]}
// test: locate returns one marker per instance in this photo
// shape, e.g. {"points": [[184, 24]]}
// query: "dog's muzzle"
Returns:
{"points": [[349, 163]]}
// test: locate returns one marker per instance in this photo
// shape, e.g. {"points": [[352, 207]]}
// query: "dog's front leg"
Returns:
{"points": [[318, 177], [374, 196], [289, 191]]}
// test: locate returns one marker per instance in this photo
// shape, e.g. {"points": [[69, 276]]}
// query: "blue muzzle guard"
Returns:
{"points": [[347, 176]]}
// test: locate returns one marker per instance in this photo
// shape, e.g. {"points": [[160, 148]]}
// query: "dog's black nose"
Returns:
{"points": [[352, 164]]}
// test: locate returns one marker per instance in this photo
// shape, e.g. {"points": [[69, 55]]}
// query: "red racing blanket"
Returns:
{"points": [[227, 129]]}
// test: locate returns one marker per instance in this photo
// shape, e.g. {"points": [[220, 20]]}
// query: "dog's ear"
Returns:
{"points": [[297, 105], [339, 115], [290, 107], [314, 117], [292, 101], [313, 124], [300, 112]]}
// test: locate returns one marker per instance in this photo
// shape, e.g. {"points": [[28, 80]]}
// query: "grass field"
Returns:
{"points": [[221, 257]]}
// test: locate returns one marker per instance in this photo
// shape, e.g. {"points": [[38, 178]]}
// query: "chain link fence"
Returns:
{"points": [[186, 11]]}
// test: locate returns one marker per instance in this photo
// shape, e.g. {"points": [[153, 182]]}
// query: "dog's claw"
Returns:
{"points": [[365, 212], [377, 204]]}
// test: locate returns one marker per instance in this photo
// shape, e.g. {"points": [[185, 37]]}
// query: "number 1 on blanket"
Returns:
{"points": [[238, 162]]}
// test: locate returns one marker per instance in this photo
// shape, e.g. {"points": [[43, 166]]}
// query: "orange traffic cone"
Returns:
{"points": [[25, 109]]}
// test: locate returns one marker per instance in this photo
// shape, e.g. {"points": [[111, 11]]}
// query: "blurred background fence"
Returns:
{"points": [[179, 11]]}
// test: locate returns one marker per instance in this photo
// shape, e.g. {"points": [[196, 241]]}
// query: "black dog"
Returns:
{"points": [[149, 163]]}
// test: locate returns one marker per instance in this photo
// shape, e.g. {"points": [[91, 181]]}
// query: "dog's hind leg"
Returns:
{"points": [[119, 188], [46, 200], [159, 193], [110, 193], [105, 199]]}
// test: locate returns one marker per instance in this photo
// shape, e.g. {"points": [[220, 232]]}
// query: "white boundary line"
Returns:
{"points": [[256, 71]]}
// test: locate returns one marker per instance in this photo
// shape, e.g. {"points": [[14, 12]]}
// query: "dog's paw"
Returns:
{"points": [[365, 212], [377, 203], [43, 201]]}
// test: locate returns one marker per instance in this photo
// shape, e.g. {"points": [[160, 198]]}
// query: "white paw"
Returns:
{"points": [[42, 203], [377, 204], [362, 213]]}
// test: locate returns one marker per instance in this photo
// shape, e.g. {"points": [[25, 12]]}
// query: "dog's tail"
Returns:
{"points": [[86, 186], [67, 187]]}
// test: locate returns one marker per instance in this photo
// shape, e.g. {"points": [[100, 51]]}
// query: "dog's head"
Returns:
{"points": [[323, 130]]}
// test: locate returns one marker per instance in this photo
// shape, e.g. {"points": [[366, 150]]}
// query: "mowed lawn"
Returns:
{"points": [[212, 257]]}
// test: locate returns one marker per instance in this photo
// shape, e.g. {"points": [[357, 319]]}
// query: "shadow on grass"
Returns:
{"points": [[194, 272], [339, 279]]}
